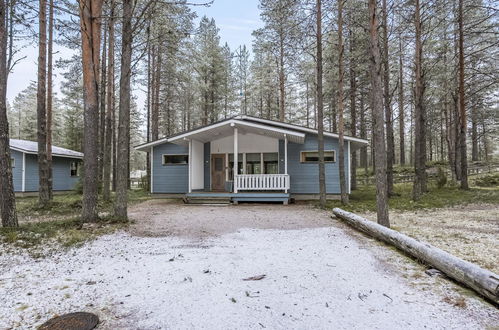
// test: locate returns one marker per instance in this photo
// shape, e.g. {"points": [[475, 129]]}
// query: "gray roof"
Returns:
{"points": [[31, 147]]}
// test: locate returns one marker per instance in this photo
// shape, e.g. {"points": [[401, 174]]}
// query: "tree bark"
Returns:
{"points": [[102, 105], [120, 206], [353, 108], [282, 79], [483, 281], [390, 144], [462, 105], [148, 108], [50, 94], [7, 198], [419, 187], [155, 104], [90, 16], [41, 107], [341, 119], [108, 144], [401, 104], [320, 108], [378, 120]]}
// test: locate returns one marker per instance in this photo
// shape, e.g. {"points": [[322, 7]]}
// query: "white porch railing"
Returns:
{"points": [[261, 182]]}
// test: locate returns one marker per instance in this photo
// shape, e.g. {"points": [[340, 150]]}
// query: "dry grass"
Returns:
{"points": [[470, 232]]}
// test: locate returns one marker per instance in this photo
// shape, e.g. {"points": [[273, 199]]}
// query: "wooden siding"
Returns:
{"points": [[17, 170], [169, 178], [207, 164], [61, 174], [305, 176]]}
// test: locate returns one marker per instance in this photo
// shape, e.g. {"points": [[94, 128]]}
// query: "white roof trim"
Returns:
{"points": [[29, 152], [231, 122], [300, 128]]}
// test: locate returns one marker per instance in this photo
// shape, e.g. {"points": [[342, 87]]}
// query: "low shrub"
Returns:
{"points": [[490, 180]]}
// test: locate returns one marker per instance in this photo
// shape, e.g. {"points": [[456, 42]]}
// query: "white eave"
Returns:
{"points": [[226, 128], [357, 142], [31, 148]]}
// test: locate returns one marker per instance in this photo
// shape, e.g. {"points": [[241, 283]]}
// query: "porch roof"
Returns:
{"points": [[226, 128]]}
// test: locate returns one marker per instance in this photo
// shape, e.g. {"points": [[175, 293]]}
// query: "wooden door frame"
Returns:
{"points": [[212, 170]]}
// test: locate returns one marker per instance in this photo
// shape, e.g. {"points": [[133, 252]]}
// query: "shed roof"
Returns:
{"points": [[31, 147]]}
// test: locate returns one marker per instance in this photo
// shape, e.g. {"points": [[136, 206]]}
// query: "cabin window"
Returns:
{"points": [[175, 159], [12, 162], [231, 165], [254, 163], [271, 163], [74, 167], [313, 156]]}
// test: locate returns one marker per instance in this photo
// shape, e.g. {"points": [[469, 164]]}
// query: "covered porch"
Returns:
{"points": [[260, 152]]}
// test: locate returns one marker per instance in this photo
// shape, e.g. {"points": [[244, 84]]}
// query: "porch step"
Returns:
{"points": [[207, 200]]}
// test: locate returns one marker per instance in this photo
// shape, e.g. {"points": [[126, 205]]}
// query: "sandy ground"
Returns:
{"points": [[470, 232], [319, 275], [171, 217]]}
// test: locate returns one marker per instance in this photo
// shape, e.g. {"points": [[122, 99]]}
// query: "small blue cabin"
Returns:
{"points": [[275, 161], [24, 157]]}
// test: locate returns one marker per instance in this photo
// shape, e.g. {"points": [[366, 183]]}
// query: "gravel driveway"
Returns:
{"points": [[319, 275]]}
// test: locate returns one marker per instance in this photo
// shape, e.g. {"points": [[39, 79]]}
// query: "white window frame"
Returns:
{"points": [[77, 166], [165, 164], [12, 162], [303, 161]]}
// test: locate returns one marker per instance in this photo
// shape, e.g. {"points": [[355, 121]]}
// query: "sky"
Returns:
{"points": [[236, 19]]}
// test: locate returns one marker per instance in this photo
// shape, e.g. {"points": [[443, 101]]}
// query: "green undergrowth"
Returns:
{"points": [[68, 204], [63, 233], [364, 198], [488, 180]]}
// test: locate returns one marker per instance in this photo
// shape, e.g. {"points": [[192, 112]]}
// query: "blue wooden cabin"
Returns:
{"points": [[24, 157], [275, 161]]}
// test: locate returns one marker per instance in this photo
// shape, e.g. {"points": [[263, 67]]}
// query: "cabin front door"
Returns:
{"points": [[218, 172]]}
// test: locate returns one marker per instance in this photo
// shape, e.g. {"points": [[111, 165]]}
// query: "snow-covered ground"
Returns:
{"points": [[316, 278]]}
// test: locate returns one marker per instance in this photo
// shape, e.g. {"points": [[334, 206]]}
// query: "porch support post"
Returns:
{"points": [[189, 165], [236, 160], [285, 154], [286, 160], [152, 170]]}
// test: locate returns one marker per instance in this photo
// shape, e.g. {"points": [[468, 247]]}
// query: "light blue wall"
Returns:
{"points": [[31, 174], [305, 176], [17, 171], [61, 174], [169, 179], [207, 166]]}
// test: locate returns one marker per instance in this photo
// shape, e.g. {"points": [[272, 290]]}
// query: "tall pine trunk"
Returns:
{"points": [[462, 106], [401, 104], [7, 198], [353, 108], [282, 79], [320, 108], [155, 104], [341, 119], [108, 144], [102, 105], [50, 94], [390, 144], [378, 118], [41, 107], [419, 187], [90, 14], [120, 206]]}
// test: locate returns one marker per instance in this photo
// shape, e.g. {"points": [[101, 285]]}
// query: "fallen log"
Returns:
{"points": [[484, 282]]}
